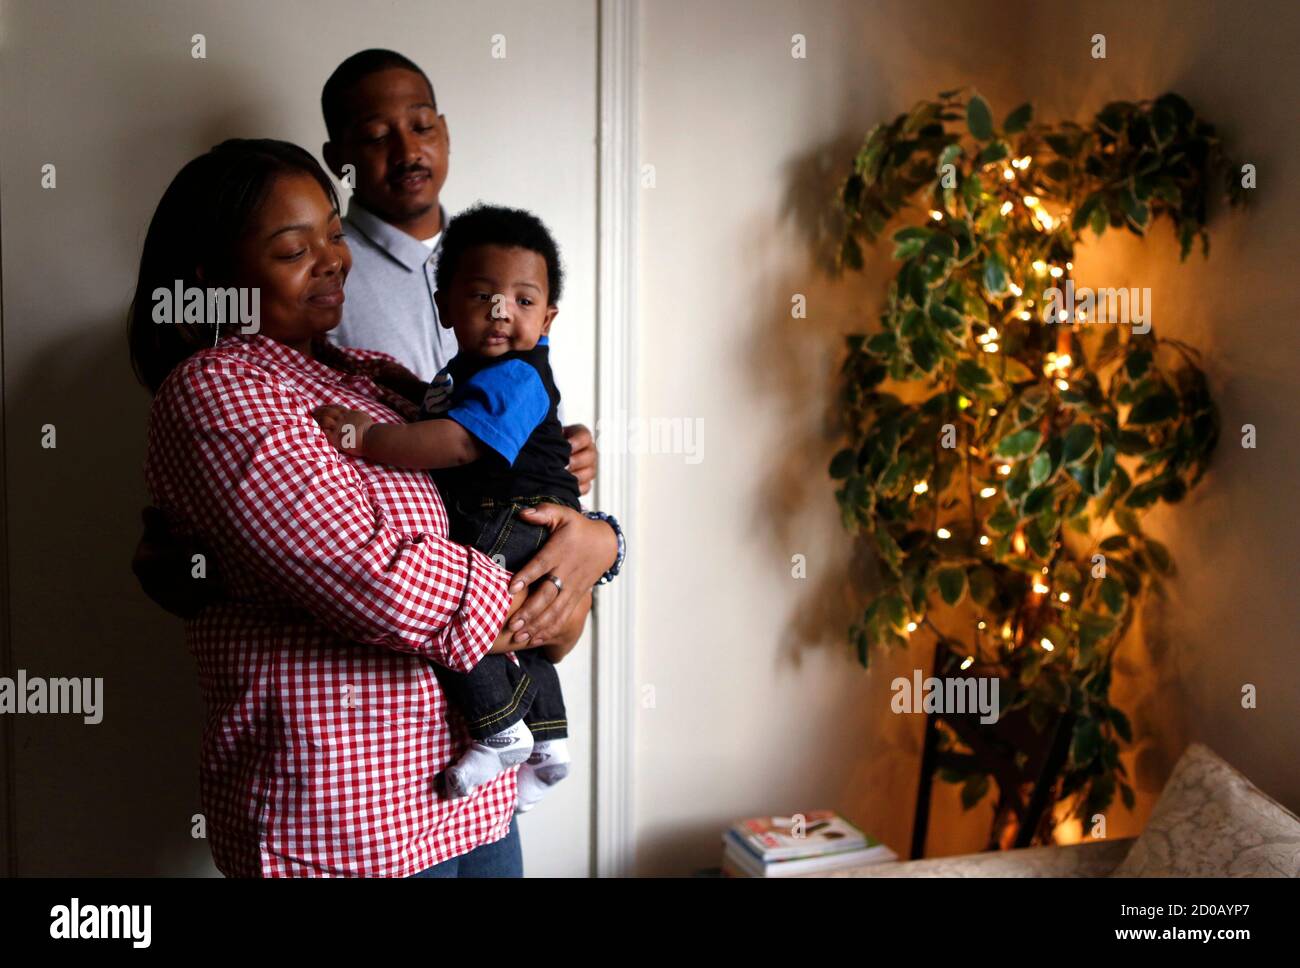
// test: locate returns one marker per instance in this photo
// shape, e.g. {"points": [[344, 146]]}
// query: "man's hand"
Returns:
{"points": [[401, 380], [164, 566], [582, 463], [345, 429]]}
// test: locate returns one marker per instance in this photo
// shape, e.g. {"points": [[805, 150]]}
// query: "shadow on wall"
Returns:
{"points": [[119, 797]]}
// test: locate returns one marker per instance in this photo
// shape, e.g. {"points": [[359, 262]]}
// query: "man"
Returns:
{"points": [[388, 140]]}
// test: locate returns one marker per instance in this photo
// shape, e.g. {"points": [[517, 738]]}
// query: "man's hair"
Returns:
{"points": [[507, 227], [348, 74]]}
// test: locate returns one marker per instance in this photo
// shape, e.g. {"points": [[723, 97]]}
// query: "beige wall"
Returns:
{"points": [[110, 94], [757, 704]]}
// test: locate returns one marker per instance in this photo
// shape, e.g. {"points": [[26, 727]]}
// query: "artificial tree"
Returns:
{"points": [[1000, 458]]}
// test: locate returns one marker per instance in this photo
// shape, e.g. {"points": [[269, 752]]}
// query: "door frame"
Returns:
{"points": [[614, 672]]}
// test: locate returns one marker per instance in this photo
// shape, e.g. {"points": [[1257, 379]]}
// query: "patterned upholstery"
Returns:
{"points": [[1211, 821]]}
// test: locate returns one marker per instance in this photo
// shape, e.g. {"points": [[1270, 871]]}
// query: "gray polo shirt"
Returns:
{"points": [[389, 304]]}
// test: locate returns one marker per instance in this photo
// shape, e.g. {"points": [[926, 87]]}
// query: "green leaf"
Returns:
{"points": [[995, 275], [1160, 556], [1019, 444], [890, 553], [947, 317], [1002, 520], [1127, 521], [1105, 467], [1093, 628], [843, 464], [1035, 501], [1113, 594], [1078, 443], [952, 583], [1018, 119], [972, 377], [925, 352], [982, 585], [974, 790], [1154, 409], [1137, 363], [979, 119], [1121, 724], [994, 151], [1040, 469]]}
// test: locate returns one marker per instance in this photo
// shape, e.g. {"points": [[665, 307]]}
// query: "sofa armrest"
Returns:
{"points": [[1090, 859]]}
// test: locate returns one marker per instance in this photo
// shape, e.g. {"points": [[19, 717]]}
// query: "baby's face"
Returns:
{"points": [[497, 301]]}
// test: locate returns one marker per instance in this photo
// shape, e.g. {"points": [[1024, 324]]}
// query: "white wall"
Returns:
{"points": [[110, 94], [758, 705]]}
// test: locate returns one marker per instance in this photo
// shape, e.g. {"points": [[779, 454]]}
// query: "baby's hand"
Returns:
{"points": [[345, 429]]}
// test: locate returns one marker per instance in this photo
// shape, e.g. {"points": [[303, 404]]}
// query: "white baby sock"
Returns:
{"points": [[547, 766], [489, 757]]}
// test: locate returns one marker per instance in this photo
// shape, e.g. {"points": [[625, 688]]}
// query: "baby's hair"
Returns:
{"points": [[507, 227]]}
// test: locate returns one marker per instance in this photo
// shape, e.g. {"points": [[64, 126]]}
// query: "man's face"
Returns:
{"points": [[497, 301], [397, 141]]}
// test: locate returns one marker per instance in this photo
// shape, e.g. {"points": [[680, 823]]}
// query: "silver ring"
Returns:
{"points": [[554, 580]]}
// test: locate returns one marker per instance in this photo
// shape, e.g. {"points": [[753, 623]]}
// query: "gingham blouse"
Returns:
{"points": [[325, 721]]}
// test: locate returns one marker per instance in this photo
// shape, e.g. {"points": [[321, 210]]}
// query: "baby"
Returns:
{"points": [[490, 434]]}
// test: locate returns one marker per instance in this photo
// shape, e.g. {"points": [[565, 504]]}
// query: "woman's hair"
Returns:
{"points": [[205, 212]]}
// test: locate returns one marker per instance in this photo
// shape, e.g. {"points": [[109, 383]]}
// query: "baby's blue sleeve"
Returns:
{"points": [[502, 405]]}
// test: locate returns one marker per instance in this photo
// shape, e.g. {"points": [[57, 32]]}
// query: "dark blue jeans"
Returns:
{"points": [[496, 693], [501, 859]]}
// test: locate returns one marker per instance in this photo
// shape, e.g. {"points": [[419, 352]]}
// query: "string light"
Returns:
{"points": [[920, 487], [1064, 596], [982, 626], [1025, 314], [1006, 208], [984, 540], [1070, 266], [1040, 265], [1015, 290], [990, 347], [970, 661], [1047, 645], [1057, 272], [1031, 201], [944, 534], [936, 215], [1062, 385], [1008, 174], [1040, 588], [911, 626], [988, 491], [1004, 469], [1006, 630]]}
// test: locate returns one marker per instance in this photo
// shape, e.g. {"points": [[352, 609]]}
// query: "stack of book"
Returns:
{"points": [[810, 843]]}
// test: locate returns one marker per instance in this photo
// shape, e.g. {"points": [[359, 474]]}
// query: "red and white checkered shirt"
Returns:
{"points": [[325, 721]]}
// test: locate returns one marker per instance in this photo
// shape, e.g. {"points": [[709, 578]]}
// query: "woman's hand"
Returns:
{"points": [[572, 631], [578, 552], [345, 429]]}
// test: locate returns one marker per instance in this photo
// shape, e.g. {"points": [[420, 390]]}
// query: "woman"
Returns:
{"points": [[326, 727]]}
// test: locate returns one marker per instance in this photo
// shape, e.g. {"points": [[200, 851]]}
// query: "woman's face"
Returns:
{"points": [[294, 253]]}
